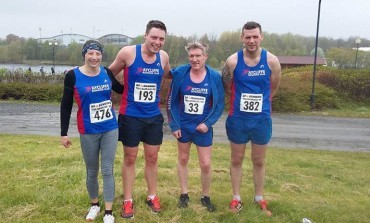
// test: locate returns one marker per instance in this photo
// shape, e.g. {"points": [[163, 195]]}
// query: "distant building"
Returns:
{"points": [[116, 39], [366, 49], [68, 38], [298, 61]]}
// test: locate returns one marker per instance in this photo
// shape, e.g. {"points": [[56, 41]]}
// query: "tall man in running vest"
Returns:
{"points": [[140, 118], [251, 78]]}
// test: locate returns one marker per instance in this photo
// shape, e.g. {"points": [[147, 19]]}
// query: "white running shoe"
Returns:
{"points": [[93, 213], [108, 218]]}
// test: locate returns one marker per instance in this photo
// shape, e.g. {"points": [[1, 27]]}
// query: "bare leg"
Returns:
{"points": [[237, 157], [258, 153], [204, 156], [128, 170], [182, 165], [151, 167]]}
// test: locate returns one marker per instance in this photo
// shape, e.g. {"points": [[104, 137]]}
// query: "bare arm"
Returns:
{"points": [[124, 58], [275, 67], [227, 74], [167, 68]]}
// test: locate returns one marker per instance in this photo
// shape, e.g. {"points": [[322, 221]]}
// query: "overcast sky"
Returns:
{"points": [[93, 18]]}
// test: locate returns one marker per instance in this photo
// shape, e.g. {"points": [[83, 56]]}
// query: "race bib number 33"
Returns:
{"points": [[145, 92], [101, 111], [194, 104], [251, 102]]}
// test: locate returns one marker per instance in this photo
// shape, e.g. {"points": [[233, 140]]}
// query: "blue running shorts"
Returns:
{"points": [[198, 138], [241, 130]]}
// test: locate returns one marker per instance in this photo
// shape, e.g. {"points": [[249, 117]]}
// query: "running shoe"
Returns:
{"points": [[108, 218], [235, 206], [93, 213], [263, 205], [206, 202], [184, 201], [127, 209], [154, 204]]}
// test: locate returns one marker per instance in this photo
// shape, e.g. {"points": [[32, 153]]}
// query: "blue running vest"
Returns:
{"points": [[142, 81], [93, 97], [250, 89], [195, 101]]}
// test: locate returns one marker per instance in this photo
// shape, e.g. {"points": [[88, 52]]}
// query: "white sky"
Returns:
{"points": [[93, 18]]}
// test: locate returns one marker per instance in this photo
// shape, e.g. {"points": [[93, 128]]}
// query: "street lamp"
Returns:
{"points": [[312, 98], [358, 41], [53, 44], [39, 46]]}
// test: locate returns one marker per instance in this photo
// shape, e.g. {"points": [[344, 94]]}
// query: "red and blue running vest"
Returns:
{"points": [[142, 81]]}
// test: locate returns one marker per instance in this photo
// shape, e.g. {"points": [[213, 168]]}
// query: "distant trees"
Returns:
{"points": [[338, 52], [320, 52]]}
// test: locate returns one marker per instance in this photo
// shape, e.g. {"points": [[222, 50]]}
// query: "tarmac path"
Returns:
{"points": [[289, 131]]}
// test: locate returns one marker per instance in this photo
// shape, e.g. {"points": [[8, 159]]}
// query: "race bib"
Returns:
{"points": [[145, 92], [194, 104], [251, 102], [101, 111]]}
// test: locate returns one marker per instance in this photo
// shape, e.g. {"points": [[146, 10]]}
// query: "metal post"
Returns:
{"points": [[358, 41], [312, 98], [53, 56], [53, 44]]}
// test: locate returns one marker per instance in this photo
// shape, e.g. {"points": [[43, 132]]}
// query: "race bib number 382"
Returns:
{"points": [[145, 92], [251, 102], [101, 111]]}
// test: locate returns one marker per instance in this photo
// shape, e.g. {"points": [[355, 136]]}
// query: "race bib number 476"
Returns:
{"points": [[251, 102], [101, 111]]}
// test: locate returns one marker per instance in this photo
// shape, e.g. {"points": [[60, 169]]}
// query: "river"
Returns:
{"points": [[36, 68]]}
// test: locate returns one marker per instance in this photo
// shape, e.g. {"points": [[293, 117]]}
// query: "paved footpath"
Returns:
{"points": [[289, 131]]}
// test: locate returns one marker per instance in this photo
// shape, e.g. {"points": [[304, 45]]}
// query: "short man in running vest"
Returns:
{"points": [[196, 102], [140, 118], [251, 78]]}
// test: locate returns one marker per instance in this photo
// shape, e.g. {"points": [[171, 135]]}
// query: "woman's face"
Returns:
{"points": [[93, 58]]}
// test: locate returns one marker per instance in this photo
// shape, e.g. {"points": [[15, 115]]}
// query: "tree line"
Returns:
{"points": [[341, 53]]}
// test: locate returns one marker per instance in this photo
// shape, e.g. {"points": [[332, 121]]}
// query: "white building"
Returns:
{"points": [[68, 38], [116, 39]]}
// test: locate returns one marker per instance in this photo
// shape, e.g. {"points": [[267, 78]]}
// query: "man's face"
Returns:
{"points": [[197, 59], [154, 39], [251, 39]]}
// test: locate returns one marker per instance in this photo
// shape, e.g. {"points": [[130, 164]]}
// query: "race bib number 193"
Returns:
{"points": [[145, 92], [101, 111], [251, 102]]}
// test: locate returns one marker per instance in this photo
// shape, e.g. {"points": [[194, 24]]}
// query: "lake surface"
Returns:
{"points": [[36, 68]]}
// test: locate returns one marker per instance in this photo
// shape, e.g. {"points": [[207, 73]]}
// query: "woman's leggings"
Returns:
{"points": [[92, 145]]}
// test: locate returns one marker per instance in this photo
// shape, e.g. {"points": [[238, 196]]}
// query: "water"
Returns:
{"points": [[36, 68]]}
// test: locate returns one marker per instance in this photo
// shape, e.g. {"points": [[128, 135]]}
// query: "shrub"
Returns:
{"points": [[355, 83], [333, 89], [31, 92], [295, 92]]}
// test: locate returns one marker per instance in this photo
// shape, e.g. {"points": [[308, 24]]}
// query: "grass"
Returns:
{"points": [[43, 182], [346, 111]]}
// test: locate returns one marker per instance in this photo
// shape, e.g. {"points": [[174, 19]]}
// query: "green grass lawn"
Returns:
{"points": [[43, 182]]}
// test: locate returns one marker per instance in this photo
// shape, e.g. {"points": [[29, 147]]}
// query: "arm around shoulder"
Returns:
{"points": [[116, 85], [124, 58]]}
